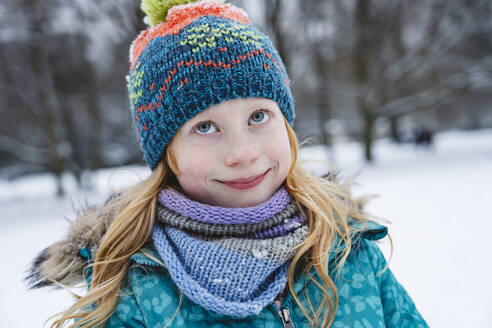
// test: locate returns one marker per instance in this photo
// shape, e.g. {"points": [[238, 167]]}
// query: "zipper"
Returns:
{"points": [[283, 313], [285, 317]]}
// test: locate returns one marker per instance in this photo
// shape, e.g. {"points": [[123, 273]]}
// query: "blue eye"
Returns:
{"points": [[259, 117], [205, 128]]}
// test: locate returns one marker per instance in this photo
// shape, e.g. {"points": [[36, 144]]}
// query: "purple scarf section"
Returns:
{"points": [[180, 204]]}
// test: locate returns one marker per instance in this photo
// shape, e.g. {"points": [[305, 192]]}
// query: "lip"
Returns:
{"points": [[246, 183]]}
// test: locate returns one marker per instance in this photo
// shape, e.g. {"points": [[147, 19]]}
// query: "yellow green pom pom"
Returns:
{"points": [[156, 10]]}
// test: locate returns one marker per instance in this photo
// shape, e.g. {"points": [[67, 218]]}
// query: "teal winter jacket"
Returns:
{"points": [[368, 296]]}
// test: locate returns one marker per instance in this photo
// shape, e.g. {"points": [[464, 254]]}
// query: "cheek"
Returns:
{"points": [[195, 166], [191, 180], [280, 152]]}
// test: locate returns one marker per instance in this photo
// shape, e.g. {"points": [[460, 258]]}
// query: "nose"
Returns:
{"points": [[241, 149]]}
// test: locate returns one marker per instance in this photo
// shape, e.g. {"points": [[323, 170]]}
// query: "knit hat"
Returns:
{"points": [[194, 55]]}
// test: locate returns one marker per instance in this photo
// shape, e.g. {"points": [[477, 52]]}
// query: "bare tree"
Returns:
{"points": [[393, 78], [65, 66]]}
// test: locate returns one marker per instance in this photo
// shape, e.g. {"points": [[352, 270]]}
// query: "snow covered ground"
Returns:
{"points": [[437, 200]]}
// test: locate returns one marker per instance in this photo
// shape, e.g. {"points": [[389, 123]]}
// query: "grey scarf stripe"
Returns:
{"points": [[278, 249], [173, 219]]}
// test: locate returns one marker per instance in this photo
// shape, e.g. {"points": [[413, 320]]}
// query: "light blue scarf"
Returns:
{"points": [[231, 269]]}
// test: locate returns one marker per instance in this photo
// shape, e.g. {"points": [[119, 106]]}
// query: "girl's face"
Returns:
{"points": [[234, 154]]}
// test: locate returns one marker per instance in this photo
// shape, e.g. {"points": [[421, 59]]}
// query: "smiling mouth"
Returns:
{"points": [[245, 183]]}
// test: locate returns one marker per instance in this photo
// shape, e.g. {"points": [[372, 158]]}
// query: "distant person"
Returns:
{"points": [[229, 230], [423, 137]]}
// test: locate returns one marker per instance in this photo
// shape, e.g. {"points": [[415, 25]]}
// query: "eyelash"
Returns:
{"points": [[211, 122]]}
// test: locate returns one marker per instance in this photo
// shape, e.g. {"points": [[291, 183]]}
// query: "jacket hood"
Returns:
{"points": [[62, 263]]}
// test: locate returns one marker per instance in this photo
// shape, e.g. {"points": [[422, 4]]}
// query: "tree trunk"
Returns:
{"points": [[369, 120], [45, 92], [273, 16], [394, 129], [361, 55]]}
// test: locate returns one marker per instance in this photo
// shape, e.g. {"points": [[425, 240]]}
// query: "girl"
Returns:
{"points": [[228, 230]]}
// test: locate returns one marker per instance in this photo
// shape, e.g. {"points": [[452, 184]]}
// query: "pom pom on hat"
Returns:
{"points": [[157, 10]]}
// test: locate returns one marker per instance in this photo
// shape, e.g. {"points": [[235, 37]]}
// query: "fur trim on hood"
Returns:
{"points": [[61, 264]]}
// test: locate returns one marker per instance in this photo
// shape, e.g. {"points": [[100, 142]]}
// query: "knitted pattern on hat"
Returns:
{"points": [[235, 276], [205, 53]]}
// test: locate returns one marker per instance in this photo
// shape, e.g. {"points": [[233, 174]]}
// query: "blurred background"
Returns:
{"points": [[397, 93]]}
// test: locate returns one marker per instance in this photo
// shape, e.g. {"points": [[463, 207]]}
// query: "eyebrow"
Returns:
{"points": [[211, 116], [196, 118]]}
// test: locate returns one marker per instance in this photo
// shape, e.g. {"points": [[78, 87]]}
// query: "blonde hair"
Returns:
{"points": [[327, 203]]}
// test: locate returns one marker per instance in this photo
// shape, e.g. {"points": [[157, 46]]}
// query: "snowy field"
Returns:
{"points": [[437, 200]]}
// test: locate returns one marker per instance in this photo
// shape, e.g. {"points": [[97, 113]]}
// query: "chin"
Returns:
{"points": [[240, 201], [256, 198]]}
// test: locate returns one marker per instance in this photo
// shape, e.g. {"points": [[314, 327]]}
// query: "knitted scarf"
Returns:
{"points": [[232, 261]]}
